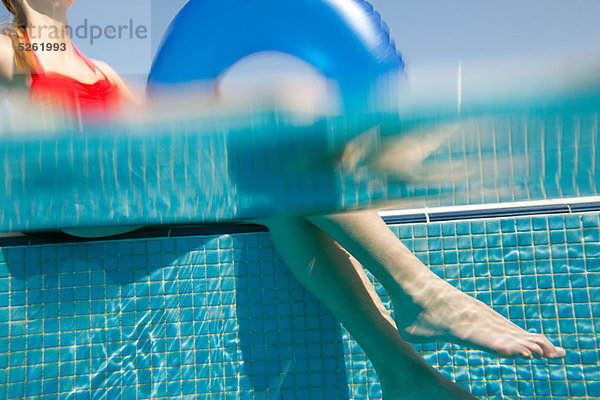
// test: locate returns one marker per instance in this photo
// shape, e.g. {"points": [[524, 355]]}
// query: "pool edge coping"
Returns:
{"points": [[390, 217]]}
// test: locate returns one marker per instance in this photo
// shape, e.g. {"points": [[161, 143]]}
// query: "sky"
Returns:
{"points": [[438, 31], [427, 32]]}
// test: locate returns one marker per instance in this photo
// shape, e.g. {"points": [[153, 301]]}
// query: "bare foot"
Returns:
{"points": [[434, 310], [427, 307]]}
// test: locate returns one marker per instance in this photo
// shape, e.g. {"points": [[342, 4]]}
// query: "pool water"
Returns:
{"points": [[186, 313], [236, 168]]}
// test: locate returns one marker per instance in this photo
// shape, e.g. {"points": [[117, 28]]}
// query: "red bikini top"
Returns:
{"points": [[96, 100]]}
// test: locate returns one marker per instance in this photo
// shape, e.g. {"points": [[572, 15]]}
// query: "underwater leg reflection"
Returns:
{"points": [[338, 280], [427, 308]]}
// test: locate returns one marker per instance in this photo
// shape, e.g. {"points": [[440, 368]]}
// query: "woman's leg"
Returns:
{"points": [[338, 280], [427, 308]]}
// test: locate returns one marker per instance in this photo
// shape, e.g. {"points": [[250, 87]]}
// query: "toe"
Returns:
{"points": [[535, 349], [525, 352], [548, 348], [514, 350], [559, 353]]}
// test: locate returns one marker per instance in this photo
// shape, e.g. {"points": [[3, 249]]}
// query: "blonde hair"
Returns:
{"points": [[16, 31]]}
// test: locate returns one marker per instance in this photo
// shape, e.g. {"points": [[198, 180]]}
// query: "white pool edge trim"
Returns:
{"points": [[491, 206]]}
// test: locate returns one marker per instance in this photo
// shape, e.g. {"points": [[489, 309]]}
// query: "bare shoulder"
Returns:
{"points": [[114, 77], [5, 42], [7, 59], [107, 70]]}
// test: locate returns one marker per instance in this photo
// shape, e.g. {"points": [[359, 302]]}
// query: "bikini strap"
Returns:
{"points": [[88, 62]]}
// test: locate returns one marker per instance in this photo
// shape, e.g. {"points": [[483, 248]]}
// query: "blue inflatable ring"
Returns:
{"points": [[345, 40]]}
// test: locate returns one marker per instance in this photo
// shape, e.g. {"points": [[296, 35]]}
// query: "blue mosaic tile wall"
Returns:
{"points": [[541, 272], [220, 317]]}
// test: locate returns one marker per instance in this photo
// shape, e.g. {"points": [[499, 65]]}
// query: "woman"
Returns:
{"points": [[60, 77], [427, 308]]}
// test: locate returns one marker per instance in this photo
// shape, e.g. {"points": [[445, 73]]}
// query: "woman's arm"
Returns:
{"points": [[116, 79], [7, 61]]}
